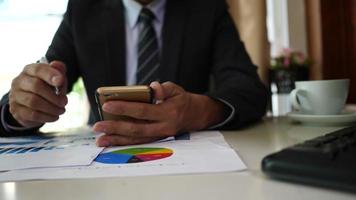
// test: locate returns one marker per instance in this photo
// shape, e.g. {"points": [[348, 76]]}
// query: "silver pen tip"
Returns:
{"points": [[57, 91]]}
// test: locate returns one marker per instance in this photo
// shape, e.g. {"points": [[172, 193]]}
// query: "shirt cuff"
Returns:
{"points": [[228, 119], [10, 128]]}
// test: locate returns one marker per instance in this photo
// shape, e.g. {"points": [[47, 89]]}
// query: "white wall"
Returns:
{"points": [[287, 25]]}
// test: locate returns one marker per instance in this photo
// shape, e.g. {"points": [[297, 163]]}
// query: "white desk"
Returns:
{"points": [[252, 143]]}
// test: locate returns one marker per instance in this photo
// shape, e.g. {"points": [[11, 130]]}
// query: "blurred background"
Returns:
{"points": [[288, 40], [26, 31]]}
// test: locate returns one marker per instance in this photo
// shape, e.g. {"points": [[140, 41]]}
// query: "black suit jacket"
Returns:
{"points": [[200, 45]]}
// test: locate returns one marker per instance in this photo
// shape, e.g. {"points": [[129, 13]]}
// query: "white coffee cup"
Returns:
{"points": [[324, 97]]}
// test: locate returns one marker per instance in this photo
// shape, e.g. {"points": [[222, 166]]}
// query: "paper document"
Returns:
{"points": [[202, 152], [34, 152]]}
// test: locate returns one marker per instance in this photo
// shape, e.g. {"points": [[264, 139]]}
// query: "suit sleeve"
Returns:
{"points": [[236, 79], [62, 47], [9, 127]]}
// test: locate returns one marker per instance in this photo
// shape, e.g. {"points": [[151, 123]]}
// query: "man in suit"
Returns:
{"points": [[182, 43]]}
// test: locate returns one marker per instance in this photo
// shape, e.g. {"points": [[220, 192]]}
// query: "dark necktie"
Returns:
{"points": [[148, 52]]}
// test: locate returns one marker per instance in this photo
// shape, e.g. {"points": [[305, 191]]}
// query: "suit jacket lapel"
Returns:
{"points": [[116, 42], [172, 35]]}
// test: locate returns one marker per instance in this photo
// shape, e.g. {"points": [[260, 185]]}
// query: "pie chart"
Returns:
{"points": [[133, 155]]}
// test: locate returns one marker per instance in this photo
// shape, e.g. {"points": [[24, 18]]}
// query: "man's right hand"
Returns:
{"points": [[32, 98]]}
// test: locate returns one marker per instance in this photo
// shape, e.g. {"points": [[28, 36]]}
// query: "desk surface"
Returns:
{"points": [[252, 143]]}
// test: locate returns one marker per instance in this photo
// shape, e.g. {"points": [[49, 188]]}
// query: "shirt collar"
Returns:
{"points": [[133, 9]]}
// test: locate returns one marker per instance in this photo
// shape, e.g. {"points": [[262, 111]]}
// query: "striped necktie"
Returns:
{"points": [[148, 51]]}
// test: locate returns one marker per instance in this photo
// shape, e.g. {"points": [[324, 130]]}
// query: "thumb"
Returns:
{"points": [[157, 91], [60, 66], [60, 80], [165, 90], [170, 90]]}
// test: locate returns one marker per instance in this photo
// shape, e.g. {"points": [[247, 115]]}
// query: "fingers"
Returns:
{"points": [[153, 121], [32, 99], [36, 103], [50, 75], [134, 128], [30, 118], [142, 110], [118, 140], [136, 110], [39, 87], [131, 134]]}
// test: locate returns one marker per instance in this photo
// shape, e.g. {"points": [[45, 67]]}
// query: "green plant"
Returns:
{"points": [[78, 87]]}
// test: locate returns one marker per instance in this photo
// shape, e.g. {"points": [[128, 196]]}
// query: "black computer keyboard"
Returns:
{"points": [[328, 160]]}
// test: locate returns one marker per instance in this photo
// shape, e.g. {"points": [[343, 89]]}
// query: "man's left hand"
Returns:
{"points": [[176, 111]]}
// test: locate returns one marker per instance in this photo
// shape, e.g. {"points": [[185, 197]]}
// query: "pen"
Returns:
{"points": [[57, 91]]}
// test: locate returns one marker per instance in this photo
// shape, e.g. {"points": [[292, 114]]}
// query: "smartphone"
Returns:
{"points": [[139, 93]]}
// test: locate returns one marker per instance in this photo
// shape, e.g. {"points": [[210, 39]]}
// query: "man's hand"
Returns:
{"points": [[32, 99], [176, 111]]}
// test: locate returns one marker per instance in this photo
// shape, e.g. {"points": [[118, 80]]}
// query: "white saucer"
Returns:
{"points": [[342, 119]]}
